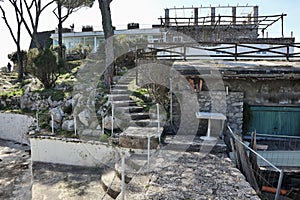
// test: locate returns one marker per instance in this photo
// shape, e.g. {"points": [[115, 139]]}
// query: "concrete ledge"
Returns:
{"points": [[15, 127], [72, 152]]}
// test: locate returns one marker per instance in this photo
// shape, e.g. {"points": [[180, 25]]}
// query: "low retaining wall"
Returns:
{"points": [[14, 127], [72, 152]]}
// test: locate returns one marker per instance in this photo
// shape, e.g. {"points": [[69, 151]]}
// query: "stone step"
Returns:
{"points": [[118, 97], [144, 123], [120, 87], [129, 109], [120, 91], [111, 183], [124, 103], [194, 144], [139, 116], [122, 79], [134, 165], [137, 137]]}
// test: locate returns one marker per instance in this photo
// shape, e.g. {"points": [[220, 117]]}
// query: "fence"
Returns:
{"points": [[47, 122], [222, 50], [282, 151], [267, 178]]}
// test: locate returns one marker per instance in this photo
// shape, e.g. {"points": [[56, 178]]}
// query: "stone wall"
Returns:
{"points": [[15, 127], [216, 34], [214, 102], [272, 92]]}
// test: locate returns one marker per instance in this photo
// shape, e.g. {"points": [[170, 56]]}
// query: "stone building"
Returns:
{"points": [[261, 88]]}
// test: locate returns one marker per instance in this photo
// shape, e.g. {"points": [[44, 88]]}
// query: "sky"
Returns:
{"points": [[146, 13]]}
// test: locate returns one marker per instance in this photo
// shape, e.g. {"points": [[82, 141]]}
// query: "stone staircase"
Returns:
{"points": [[136, 125], [135, 122], [135, 165]]}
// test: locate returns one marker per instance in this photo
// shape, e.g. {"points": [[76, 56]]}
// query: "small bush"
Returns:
{"points": [[44, 67]]}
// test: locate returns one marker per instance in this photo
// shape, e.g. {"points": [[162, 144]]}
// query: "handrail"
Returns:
{"points": [[233, 50], [281, 173]]}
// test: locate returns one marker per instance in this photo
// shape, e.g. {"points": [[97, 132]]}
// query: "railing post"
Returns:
{"points": [[112, 119], [158, 122], [148, 153], [123, 176], [52, 124], [102, 124], [184, 52], [37, 121], [171, 101], [75, 125], [288, 52], [235, 51], [279, 185]]}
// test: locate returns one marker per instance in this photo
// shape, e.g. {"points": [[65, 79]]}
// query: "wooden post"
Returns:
{"points": [[213, 15], [235, 51], [167, 17], [234, 15], [282, 34], [196, 16], [252, 156], [288, 52], [246, 165]]}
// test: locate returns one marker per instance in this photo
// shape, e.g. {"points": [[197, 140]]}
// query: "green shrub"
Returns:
{"points": [[44, 67]]}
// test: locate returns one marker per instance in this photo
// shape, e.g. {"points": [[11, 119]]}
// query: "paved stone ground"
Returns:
{"points": [[189, 175], [174, 175], [15, 171], [52, 181]]}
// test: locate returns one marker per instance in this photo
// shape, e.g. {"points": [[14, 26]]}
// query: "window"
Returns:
{"points": [[177, 39]]}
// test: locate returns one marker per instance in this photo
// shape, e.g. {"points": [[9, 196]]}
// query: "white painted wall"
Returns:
{"points": [[15, 126], [73, 152]]}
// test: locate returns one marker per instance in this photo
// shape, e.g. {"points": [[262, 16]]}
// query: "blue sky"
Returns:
{"points": [[147, 12]]}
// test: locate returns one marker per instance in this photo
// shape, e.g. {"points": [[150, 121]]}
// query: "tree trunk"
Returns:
{"points": [[20, 63], [60, 43], [104, 6]]}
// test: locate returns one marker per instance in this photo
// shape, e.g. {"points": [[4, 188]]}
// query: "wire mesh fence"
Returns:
{"points": [[262, 174]]}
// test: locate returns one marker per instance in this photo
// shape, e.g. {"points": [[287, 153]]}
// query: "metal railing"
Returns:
{"points": [[267, 177]]}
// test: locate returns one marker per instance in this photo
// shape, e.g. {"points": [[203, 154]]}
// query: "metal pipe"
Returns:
{"points": [[257, 154], [37, 121], [171, 102], [52, 124], [123, 177], [75, 125], [102, 124], [112, 119], [158, 122], [148, 153], [279, 185]]}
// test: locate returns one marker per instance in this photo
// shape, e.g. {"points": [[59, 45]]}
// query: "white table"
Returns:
{"points": [[210, 116]]}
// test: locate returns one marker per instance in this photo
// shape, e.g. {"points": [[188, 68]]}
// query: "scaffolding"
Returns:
{"points": [[214, 17]]}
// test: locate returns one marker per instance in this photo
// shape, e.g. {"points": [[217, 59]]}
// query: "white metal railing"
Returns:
{"points": [[280, 171]]}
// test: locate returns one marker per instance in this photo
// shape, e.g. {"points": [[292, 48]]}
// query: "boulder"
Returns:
{"points": [[68, 125], [57, 113], [84, 117], [107, 123]]}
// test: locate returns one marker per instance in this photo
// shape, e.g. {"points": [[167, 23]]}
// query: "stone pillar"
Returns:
{"points": [[167, 17], [213, 15], [255, 14], [196, 16], [234, 15]]}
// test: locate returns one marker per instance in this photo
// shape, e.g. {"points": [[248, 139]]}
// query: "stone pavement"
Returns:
{"points": [[190, 175], [173, 175], [15, 170]]}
